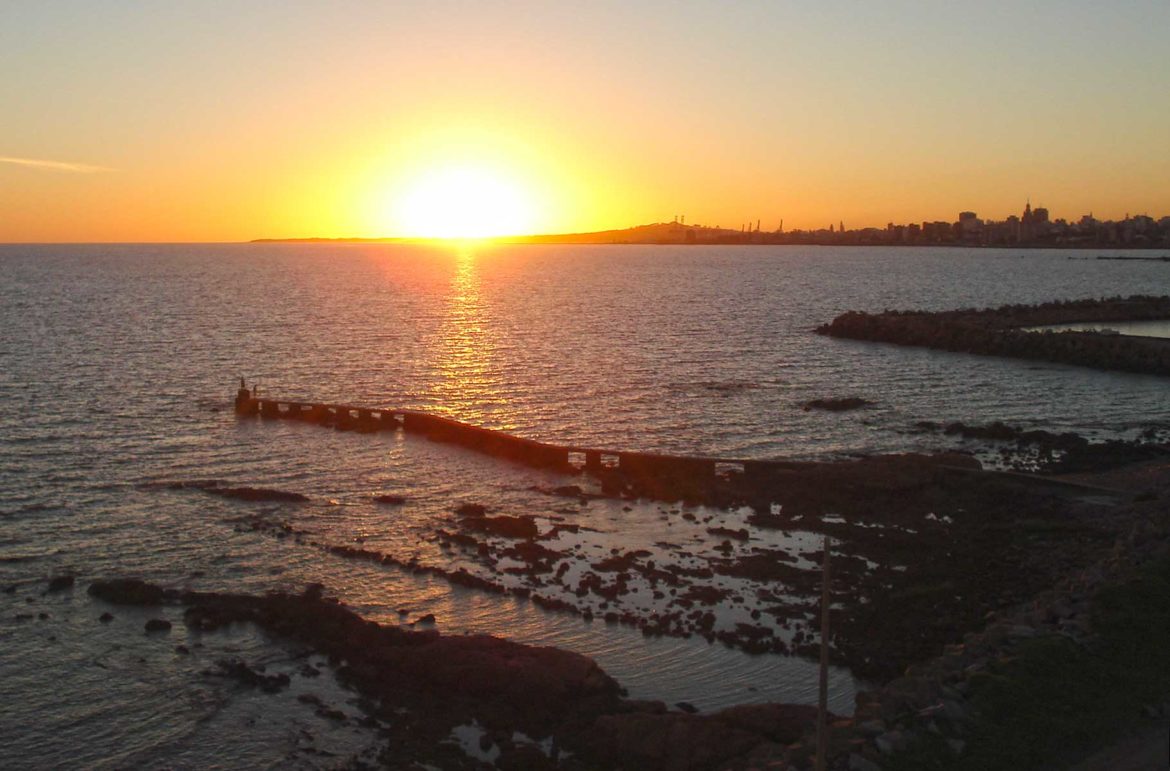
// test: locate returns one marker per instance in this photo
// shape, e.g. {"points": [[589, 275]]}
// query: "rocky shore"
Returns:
{"points": [[538, 707], [924, 548], [548, 708], [932, 700], [941, 570], [1002, 332]]}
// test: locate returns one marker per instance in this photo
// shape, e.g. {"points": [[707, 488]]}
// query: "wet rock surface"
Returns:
{"points": [[421, 685], [222, 489], [126, 591], [925, 547], [927, 550], [250, 677], [157, 625], [1048, 452], [61, 583], [390, 500], [840, 404]]}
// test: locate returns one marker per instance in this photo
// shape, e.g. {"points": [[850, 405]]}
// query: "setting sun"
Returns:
{"points": [[464, 202]]}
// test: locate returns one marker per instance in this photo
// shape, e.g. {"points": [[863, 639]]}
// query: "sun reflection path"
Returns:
{"points": [[469, 385]]}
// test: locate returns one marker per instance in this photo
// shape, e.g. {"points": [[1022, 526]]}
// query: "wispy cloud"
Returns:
{"points": [[72, 168]]}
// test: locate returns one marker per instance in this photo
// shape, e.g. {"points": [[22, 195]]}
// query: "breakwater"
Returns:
{"points": [[1002, 332], [693, 479], [653, 475]]}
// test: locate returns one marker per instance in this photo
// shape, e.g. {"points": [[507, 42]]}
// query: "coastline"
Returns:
{"points": [[545, 708], [582, 241], [192, 538]]}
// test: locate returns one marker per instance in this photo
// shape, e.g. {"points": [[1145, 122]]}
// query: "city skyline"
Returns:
{"points": [[225, 122]]}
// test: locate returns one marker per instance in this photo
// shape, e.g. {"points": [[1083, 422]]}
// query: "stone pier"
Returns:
{"points": [[655, 475]]}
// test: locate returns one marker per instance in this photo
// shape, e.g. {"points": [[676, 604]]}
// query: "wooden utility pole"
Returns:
{"points": [[823, 703]]}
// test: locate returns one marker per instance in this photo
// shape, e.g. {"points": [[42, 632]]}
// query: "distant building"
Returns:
{"points": [[969, 228]]}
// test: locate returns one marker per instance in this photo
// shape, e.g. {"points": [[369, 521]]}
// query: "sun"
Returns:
{"points": [[464, 202]]}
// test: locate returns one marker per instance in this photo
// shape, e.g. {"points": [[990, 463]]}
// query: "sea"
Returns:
{"points": [[119, 363]]}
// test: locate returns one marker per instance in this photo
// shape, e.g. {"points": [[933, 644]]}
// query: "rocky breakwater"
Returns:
{"points": [[538, 707], [1002, 332]]}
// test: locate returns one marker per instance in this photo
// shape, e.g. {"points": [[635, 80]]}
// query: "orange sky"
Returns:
{"points": [[230, 121]]}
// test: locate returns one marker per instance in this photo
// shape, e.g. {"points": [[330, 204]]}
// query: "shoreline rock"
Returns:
{"points": [[423, 684]]}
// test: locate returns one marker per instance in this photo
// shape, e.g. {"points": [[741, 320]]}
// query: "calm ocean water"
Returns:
{"points": [[118, 365]]}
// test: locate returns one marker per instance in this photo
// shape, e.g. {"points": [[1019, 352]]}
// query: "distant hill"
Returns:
{"points": [[657, 233]]}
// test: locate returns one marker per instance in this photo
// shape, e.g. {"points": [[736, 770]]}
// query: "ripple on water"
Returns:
{"points": [[116, 356]]}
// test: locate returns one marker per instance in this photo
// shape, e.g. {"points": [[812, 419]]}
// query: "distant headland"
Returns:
{"points": [[1033, 228]]}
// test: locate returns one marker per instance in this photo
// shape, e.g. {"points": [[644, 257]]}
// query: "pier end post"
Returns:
{"points": [[246, 405]]}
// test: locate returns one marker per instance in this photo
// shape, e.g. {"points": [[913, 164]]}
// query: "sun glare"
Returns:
{"points": [[464, 202]]}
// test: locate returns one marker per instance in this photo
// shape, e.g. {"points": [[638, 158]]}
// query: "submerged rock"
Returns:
{"points": [[509, 527], [249, 677], [390, 500], [60, 583], [840, 404], [257, 494], [127, 591], [219, 487]]}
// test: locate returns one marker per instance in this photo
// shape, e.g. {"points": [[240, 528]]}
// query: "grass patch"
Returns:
{"points": [[1058, 527], [1053, 702], [922, 591]]}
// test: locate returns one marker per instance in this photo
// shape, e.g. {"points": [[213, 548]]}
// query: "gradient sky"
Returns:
{"points": [[193, 121]]}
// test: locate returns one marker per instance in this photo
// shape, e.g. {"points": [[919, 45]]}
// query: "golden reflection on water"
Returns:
{"points": [[468, 384]]}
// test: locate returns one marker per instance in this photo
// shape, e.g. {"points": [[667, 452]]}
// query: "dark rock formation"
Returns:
{"points": [[257, 494], [390, 500], [422, 684], [60, 583], [1065, 452], [247, 676], [507, 526], [836, 405], [126, 591], [471, 510], [1000, 332], [220, 488]]}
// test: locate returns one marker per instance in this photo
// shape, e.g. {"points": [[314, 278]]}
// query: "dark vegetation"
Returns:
{"points": [[1055, 700]]}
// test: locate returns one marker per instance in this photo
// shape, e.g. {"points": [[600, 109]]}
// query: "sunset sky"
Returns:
{"points": [[225, 121]]}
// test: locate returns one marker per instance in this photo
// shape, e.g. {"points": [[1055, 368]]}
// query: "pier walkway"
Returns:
{"points": [[671, 475], [657, 475]]}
